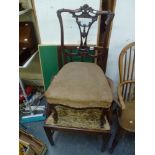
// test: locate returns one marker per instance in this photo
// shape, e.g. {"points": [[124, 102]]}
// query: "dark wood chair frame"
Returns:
{"points": [[66, 52], [83, 49]]}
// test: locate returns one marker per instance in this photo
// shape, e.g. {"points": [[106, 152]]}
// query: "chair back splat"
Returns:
{"points": [[68, 53]]}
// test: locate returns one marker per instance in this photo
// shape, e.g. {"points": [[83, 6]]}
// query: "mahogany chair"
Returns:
{"points": [[84, 52], [126, 93], [79, 97]]}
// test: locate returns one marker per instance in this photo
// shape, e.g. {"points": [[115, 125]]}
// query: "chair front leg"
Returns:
{"points": [[49, 134], [54, 113], [102, 118], [105, 138], [117, 136], [50, 109]]}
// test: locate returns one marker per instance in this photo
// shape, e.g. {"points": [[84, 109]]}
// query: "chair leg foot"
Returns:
{"points": [[104, 142], [116, 139], [110, 150], [49, 135]]}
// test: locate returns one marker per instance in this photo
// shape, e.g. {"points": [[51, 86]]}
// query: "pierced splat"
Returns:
{"points": [[88, 14]]}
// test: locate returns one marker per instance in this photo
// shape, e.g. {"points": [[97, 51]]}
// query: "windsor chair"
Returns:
{"points": [[126, 93]]}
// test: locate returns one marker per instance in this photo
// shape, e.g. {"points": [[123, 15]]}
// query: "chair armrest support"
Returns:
{"points": [[120, 97]]}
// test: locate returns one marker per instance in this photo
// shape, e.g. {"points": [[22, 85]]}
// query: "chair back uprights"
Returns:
{"points": [[127, 72], [83, 50]]}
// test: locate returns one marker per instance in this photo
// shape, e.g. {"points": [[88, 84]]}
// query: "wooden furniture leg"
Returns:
{"points": [[48, 110], [51, 110], [102, 118], [49, 134], [110, 112], [55, 115], [120, 133], [105, 138], [114, 129]]}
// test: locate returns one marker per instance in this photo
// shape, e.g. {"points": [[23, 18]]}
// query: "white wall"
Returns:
{"points": [[49, 26], [123, 32]]}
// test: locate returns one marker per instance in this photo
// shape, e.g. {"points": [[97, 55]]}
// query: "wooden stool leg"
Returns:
{"points": [[49, 134]]}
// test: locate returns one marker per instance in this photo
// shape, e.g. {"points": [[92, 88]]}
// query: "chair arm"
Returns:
{"points": [[120, 97]]}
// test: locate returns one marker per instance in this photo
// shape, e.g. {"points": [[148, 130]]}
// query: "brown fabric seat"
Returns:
{"points": [[127, 118], [80, 85], [85, 118]]}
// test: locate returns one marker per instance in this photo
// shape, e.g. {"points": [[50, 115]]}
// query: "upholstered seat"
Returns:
{"points": [[73, 118], [127, 118], [80, 85]]}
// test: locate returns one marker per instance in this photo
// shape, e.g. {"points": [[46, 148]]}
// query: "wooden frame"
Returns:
{"points": [[82, 51], [37, 146], [49, 130]]}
